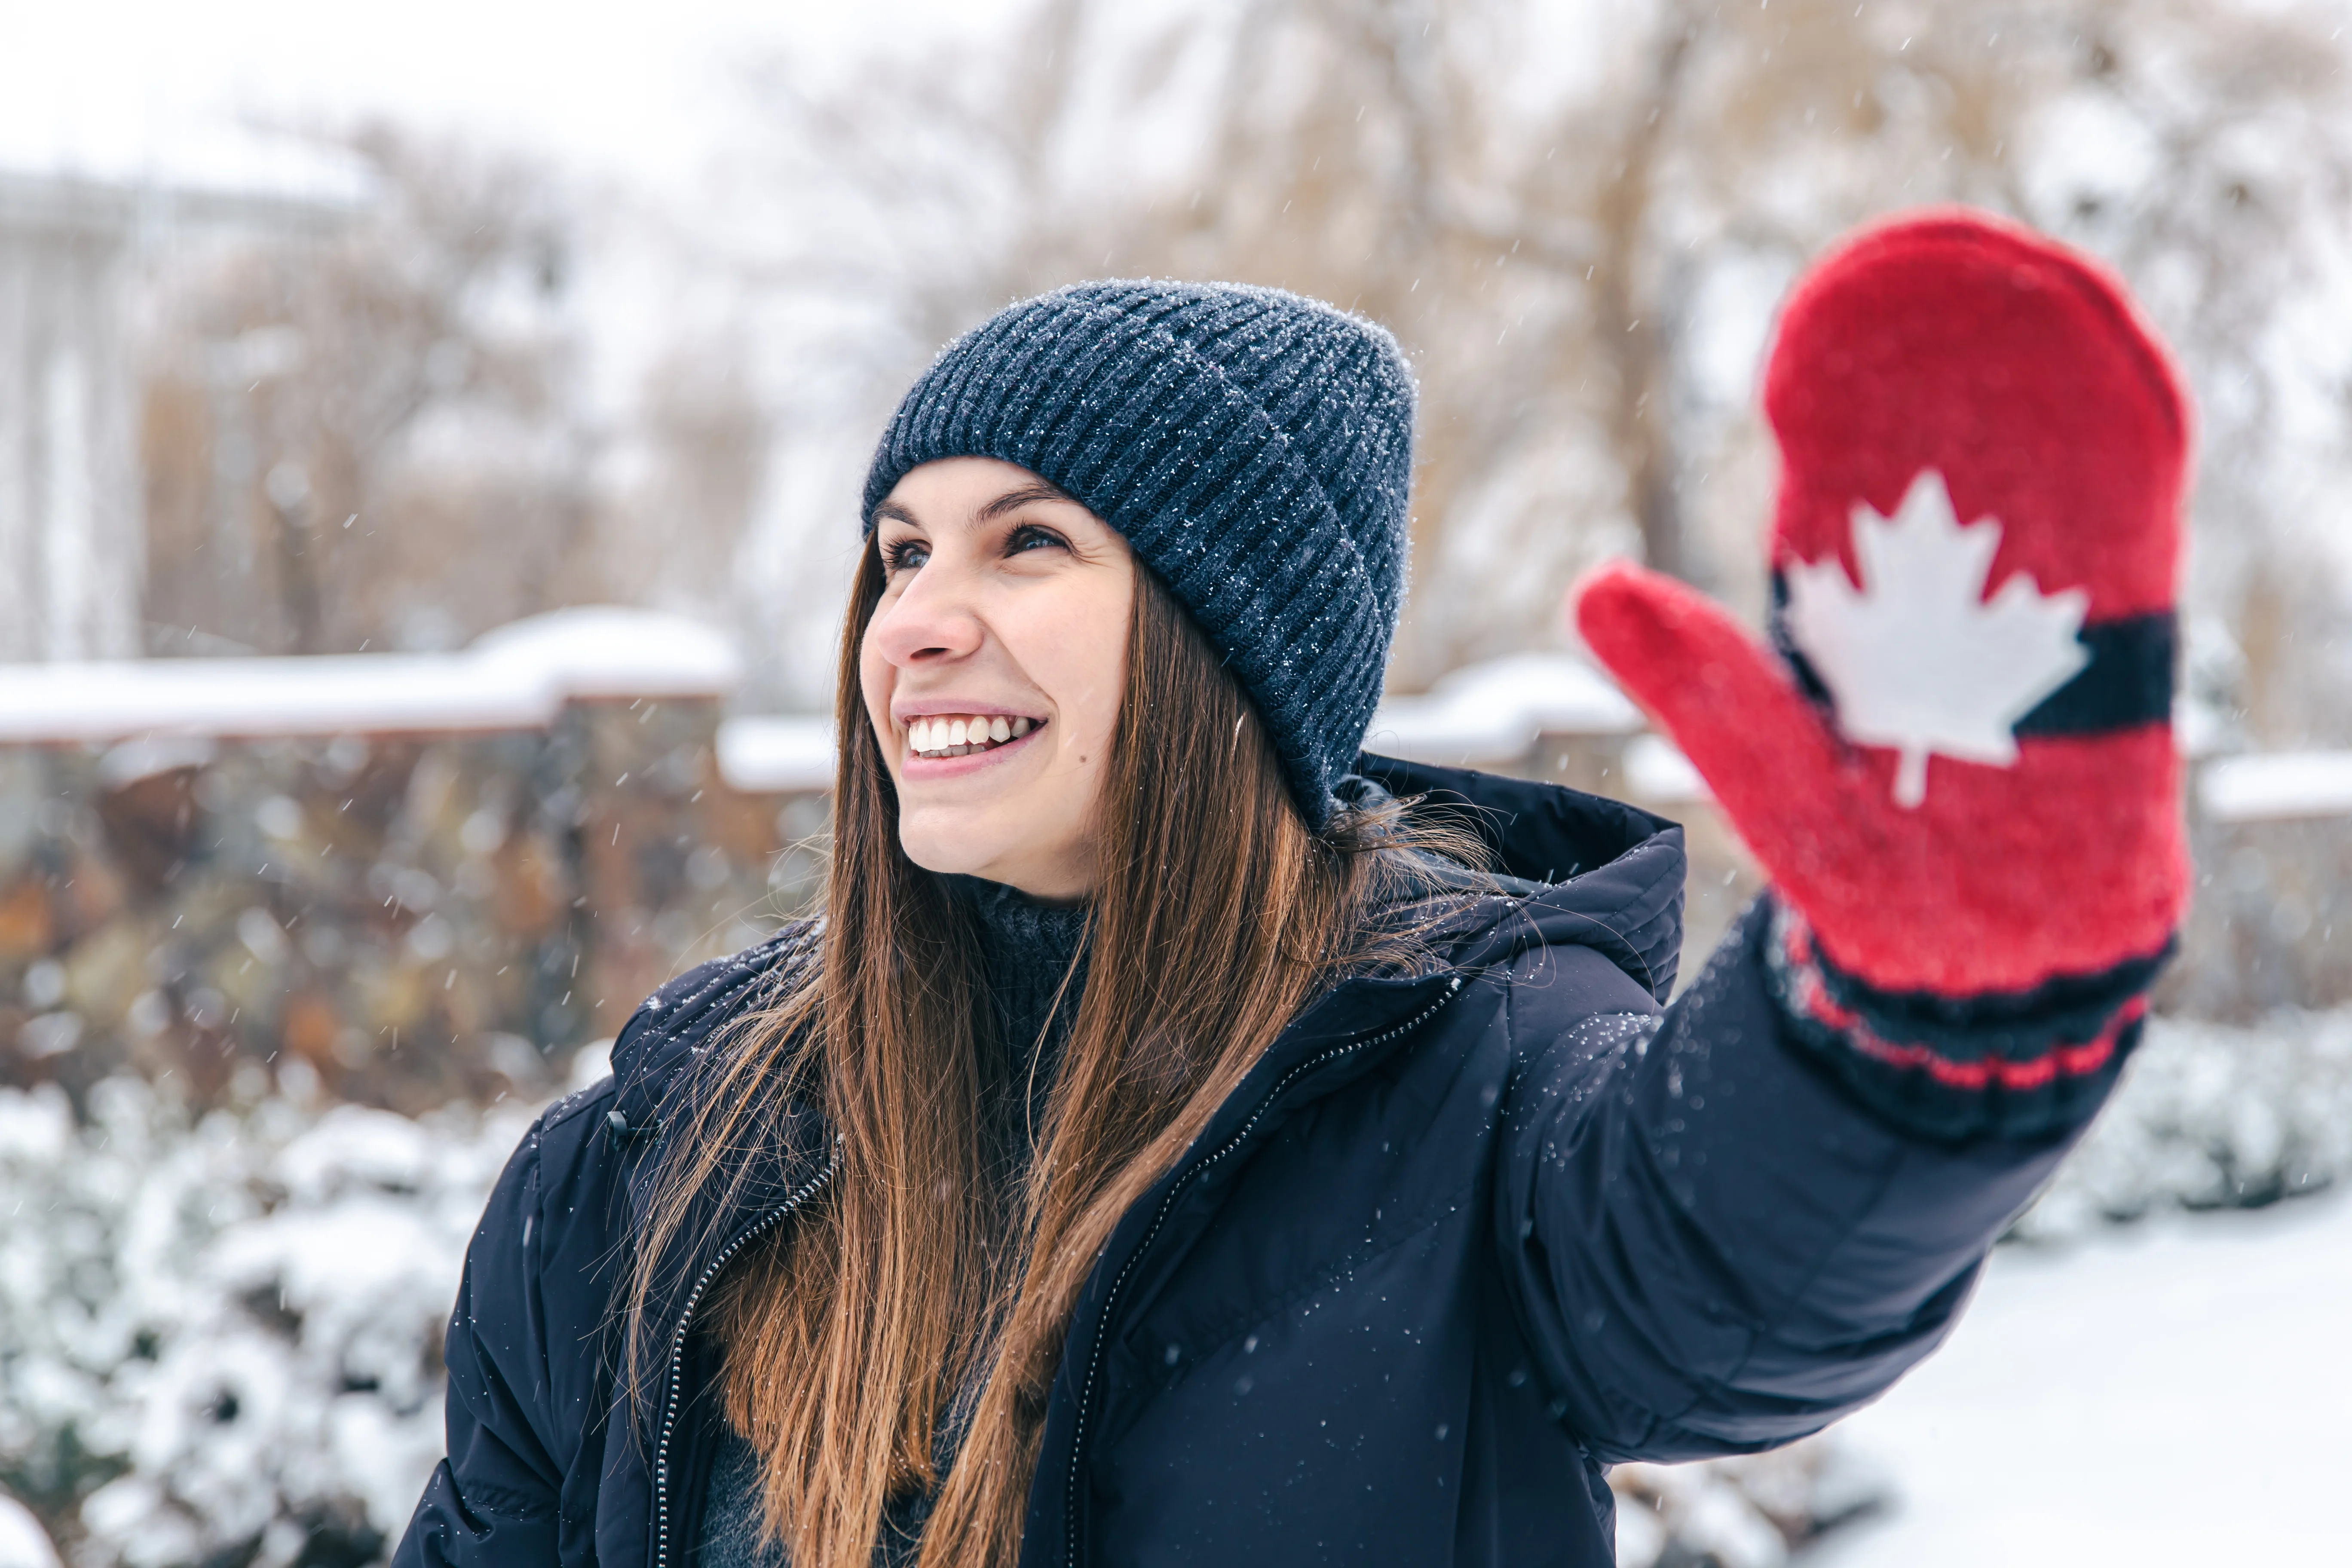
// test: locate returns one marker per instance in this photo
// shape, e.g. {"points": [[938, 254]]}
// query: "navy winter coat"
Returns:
{"points": [[1457, 1245]]}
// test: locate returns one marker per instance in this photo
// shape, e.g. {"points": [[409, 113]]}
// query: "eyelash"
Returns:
{"points": [[1032, 533], [896, 554]]}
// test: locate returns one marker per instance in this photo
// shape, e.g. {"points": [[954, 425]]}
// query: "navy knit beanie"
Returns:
{"points": [[1255, 447]]}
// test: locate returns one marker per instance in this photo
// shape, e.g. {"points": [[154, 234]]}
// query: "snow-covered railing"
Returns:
{"points": [[776, 753], [1493, 712], [2275, 786], [520, 676], [516, 677]]}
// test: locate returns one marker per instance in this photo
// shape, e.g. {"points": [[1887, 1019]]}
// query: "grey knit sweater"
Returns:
{"points": [[1027, 949]]}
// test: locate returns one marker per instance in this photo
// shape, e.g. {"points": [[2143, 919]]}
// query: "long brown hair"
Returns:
{"points": [[1216, 916]]}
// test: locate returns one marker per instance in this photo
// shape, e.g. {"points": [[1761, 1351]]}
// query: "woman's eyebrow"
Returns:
{"points": [[896, 513], [1020, 495]]}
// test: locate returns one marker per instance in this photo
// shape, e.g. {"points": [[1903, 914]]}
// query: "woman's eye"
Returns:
{"points": [[905, 554], [1030, 536]]}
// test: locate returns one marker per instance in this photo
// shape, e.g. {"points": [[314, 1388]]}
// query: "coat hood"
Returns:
{"points": [[1590, 871]]}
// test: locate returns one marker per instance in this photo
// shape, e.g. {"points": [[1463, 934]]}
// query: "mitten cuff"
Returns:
{"points": [[2023, 1064]]}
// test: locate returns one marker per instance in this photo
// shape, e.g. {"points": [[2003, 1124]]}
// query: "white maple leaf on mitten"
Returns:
{"points": [[1919, 659]]}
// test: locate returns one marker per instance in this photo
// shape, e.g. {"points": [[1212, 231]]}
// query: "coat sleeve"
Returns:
{"points": [[1716, 1239], [493, 1498]]}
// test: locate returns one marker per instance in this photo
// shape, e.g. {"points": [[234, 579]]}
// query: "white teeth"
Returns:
{"points": [[943, 737]]}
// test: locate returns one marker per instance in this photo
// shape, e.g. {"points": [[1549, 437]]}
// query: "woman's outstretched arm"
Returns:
{"points": [[1716, 1239], [1955, 762]]}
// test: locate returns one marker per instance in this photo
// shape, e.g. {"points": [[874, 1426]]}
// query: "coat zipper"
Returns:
{"points": [[1167, 1204], [726, 1254]]}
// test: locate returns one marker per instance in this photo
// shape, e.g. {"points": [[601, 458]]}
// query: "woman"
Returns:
{"points": [[1182, 1139]]}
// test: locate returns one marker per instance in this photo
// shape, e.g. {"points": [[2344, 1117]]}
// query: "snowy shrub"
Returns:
{"points": [[2212, 1117], [220, 1337], [23, 1543], [1748, 1512]]}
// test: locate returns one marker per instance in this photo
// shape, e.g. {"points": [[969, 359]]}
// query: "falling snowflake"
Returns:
{"points": [[1919, 659]]}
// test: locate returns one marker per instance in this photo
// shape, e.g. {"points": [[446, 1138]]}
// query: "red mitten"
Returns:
{"points": [[1958, 769]]}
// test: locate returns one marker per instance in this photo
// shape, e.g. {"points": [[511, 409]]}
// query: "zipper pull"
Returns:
{"points": [[624, 1133]]}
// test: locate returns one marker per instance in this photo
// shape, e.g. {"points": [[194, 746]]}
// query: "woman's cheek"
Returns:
{"points": [[875, 681]]}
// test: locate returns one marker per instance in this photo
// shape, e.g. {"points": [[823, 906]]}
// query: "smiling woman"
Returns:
{"points": [[993, 668], [1184, 1139]]}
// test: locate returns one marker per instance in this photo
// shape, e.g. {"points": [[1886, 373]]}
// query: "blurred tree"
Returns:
{"points": [[371, 436], [1578, 234], [699, 437]]}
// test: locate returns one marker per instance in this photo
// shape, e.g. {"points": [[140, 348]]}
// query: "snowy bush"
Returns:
{"points": [[2212, 1117], [1748, 1512], [220, 1336]]}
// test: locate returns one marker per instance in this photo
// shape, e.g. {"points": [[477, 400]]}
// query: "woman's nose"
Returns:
{"points": [[931, 618]]}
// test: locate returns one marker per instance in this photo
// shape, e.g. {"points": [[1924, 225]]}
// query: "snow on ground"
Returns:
{"points": [[2173, 1392]]}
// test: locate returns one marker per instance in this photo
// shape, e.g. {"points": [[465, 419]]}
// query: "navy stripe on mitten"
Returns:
{"points": [[2028, 1065]]}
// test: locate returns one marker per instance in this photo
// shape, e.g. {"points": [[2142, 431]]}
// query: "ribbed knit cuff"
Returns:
{"points": [[2024, 1065]]}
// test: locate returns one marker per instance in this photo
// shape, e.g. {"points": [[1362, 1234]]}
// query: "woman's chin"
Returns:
{"points": [[954, 844], [946, 862]]}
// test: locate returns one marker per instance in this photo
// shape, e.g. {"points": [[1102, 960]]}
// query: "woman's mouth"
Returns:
{"points": [[965, 734]]}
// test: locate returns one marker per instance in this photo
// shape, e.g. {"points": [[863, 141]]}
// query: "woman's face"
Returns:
{"points": [[993, 672]]}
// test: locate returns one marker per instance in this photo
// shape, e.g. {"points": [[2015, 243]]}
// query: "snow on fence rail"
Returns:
{"points": [[1496, 711], [516, 677], [520, 676], [2279, 786], [166, 713], [776, 753]]}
